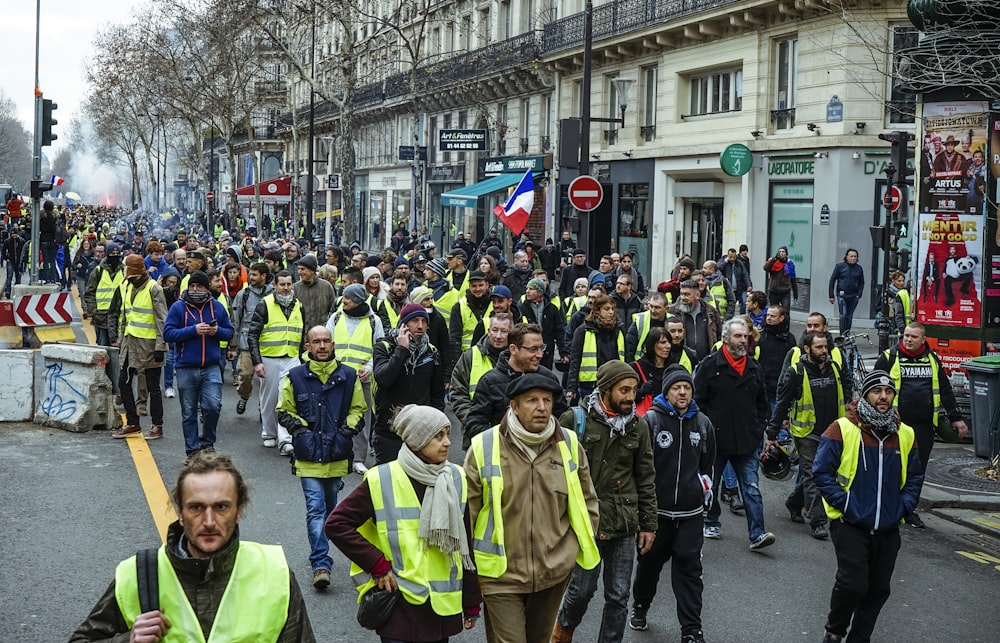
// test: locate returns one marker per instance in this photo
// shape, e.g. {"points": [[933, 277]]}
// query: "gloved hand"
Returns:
{"points": [[706, 487]]}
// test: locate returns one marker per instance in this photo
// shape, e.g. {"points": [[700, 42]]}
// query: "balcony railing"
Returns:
{"points": [[617, 18], [524, 146], [783, 118], [546, 143], [648, 133]]}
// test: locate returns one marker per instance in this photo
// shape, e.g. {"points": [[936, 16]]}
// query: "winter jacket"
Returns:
{"points": [[650, 379], [140, 353], [825, 393], [569, 275], [847, 280], [540, 545], [437, 333], [683, 450], [242, 309], [90, 297], [204, 581], [461, 403], [621, 469], [318, 301], [517, 280], [775, 342], [395, 388], [781, 280], [155, 268], [735, 272], [626, 308], [491, 402], [638, 283], [736, 404], [875, 501], [702, 327], [607, 349], [553, 328], [192, 350]]}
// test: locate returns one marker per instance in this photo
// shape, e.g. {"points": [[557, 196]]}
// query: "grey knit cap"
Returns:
{"points": [[417, 425]]}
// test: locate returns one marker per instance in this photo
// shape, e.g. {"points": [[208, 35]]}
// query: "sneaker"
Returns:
{"points": [[241, 407], [696, 637], [270, 443], [831, 638], [637, 621], [766, 539], [736, 505], [155, 433], [794, 513], [127, 430], [914, 520], [141, 410], [713, 533], [820, 532], [321, 578], [286, 448], [170, 392]]}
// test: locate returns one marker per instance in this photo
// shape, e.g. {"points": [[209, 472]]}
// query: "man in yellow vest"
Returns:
{"points": [[138, 332], [104, 280], [470, 316], [680, 353], [275, 341], [924, 392], [476, 362], [869, 475], [902, 308], [195, 262], [811, 396], [638, 327], [265, 603], [526, 548]]}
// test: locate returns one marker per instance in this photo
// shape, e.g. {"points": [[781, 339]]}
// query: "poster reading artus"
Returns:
{"points": [[950, 224]]}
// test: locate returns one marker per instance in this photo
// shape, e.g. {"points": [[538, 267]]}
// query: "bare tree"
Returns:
{"points": [[15, 151]]}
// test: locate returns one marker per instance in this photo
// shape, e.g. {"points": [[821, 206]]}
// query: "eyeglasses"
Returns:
{"points": [[623, 283], [533, 349]]}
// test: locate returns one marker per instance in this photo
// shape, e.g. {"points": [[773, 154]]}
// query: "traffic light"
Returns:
{"points": [[47, 122], [38, 190], [903, 156]]}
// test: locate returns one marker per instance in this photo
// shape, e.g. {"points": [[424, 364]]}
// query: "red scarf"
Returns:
{"points": [[777, 266], [739, 365], [916, 353]]}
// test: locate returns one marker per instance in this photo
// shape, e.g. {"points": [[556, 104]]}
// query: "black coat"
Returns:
{"points": [[736, 404], [396, 388], [553, 329], [490, 401], [774, 344]]}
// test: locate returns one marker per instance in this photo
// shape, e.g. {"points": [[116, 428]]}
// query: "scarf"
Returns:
{"points": [[524, 439], [284, 300], [418, 347], [196, 299], [397, 300], [739, 365], [605, 325], [361, 310], [880, 421], [916, 353], [442, 522], [777, 266], [617, 422]]}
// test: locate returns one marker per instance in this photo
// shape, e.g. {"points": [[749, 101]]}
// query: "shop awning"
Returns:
{"points": [[468, 196], [277, 190]]}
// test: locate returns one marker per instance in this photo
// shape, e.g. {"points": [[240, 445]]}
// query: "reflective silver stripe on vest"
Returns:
{"points": [[135, 324], [279, 342], [486, 473], [569, 447], [390, 515]]}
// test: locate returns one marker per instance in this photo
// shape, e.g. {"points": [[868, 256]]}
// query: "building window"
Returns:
{"points": [[467, 32], [525, 111], [546, 136], [716, 92], [485, 27], [614, 111], [502, 129], [504, 26], [901, 108], [786, 57], [649, 88], [633, 221]]}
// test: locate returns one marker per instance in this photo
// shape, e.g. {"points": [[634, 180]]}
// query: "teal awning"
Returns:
{"points": [[468, 196]]}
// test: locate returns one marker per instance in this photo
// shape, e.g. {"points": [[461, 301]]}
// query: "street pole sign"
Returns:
{"points": [[893, 198], [585, 193], [736, 160], [210, 196]]}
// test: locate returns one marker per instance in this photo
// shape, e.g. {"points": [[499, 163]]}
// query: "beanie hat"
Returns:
{"points": [[876, 378], [134, 265], [198, 277], [686, 262], [416, 425], [356, 293], [412, 311], [420, 293], [112, 247], [440, 266], [673, 374], [611, 372], [537, 284], [368, 272], [309, 261], [400, 261], [582, 281]]}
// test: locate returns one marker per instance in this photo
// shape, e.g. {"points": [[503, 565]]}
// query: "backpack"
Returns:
{"points": [[147, 580]]}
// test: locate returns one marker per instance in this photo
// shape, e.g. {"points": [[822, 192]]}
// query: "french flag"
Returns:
{"points": [[57, 180], [515, 212]]}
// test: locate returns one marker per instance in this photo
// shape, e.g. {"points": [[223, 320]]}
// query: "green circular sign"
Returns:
{"points": [[736, 160]]}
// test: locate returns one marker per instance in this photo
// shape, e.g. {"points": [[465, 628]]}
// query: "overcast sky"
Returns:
{"points": [[67, 31]]}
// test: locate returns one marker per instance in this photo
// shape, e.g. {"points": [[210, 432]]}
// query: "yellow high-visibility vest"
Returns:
{"points": [[281, 337], [138, 307], [106, 288], [353, 350], [470, 321], [588, 361], [897, 378], [802, 418], [481, 364]]}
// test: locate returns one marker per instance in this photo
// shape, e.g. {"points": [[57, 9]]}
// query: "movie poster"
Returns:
{"points": [[953, 353], [991, 258], [950, 224]]}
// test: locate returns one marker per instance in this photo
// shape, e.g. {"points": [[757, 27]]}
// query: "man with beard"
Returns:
{"points": [[870, 478], [355, 329], [672, 288], [680, 353], [730, 388], [275, 343], [626, 267], [924, 393], [242, 309], [617, 442], [702, 323], [409, 370], [523, 355], [445, 296], [397, 297], [321, 404], [775, 342], [518, 275], [501, 299], [465, 328], [574, 271], [537, 309], [654, 316], [317, 296], [103, 283], [476, 362], [811, 397], [626, 303], [197, 325]]}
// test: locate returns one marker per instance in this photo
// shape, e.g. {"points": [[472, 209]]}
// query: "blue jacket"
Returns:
{"points": [[848, 279], [867, 508], [192, 350]]}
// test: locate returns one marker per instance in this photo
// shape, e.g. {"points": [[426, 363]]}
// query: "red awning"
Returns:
{"points": [[277, 190]]}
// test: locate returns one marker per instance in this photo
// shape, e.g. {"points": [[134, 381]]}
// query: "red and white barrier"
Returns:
{"points": [[43, 310]]}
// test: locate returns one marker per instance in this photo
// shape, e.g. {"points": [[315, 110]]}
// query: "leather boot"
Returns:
{"points": [[562, 634]]}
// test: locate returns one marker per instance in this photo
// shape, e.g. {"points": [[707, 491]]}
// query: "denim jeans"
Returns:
{"points": [[846, 306], [321, 499], [13, 277], [49, 272], [729, 477], [617, 556], [168, 367], [745, 467], [199, 388]]}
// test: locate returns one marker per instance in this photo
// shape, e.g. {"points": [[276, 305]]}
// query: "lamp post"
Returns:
{"points": [[311, 160]]}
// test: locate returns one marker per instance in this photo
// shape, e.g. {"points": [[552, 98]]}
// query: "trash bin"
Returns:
{"points": [[984, 385]]}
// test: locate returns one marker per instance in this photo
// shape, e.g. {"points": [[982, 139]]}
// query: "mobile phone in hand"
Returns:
{"points": [[214, 322]]}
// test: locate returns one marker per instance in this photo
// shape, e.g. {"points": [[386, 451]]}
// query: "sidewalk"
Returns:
{"points": [[953, 491]]}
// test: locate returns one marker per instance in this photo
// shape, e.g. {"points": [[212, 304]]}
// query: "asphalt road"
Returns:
{"points": [[72, 508]]}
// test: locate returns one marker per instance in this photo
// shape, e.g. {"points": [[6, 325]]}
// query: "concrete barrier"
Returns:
{"points": [[73, 390], [17, 397]]}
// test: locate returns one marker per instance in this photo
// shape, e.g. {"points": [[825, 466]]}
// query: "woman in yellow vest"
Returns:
{"points": [[406, 529], [600, 338]]}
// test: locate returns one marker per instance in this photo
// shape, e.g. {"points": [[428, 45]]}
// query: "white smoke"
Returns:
{"points": [[95, 179]]}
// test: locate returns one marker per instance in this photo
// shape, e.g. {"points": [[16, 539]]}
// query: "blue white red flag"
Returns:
{"points": [[515, 212], [57, 180]]}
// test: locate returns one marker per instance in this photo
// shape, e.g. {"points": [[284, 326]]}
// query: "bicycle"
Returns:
{"points": [[854, 363]]}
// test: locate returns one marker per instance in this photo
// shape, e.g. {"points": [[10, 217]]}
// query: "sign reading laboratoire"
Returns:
{"points": [[736, 160], [462, 140], [585, 193]]}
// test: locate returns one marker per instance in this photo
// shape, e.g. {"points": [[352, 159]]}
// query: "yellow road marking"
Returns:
{"points": [[987, 522], [88, 325], [152, 484]]}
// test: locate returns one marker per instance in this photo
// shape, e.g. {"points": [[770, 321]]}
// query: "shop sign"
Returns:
{"points": [[784, 168]]}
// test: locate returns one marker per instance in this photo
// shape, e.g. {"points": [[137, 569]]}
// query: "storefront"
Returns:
{"points": [[387, 202], [446, 222]]}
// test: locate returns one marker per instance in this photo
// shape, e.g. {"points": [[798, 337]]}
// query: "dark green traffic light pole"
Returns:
{"points": [[36, 173]]}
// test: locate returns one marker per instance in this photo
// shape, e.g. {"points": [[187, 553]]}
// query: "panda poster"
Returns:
{"points": [[948, 269]]}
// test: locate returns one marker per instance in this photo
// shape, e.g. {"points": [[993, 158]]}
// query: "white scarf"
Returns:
{"points": [[526, 440], [442, 522]]}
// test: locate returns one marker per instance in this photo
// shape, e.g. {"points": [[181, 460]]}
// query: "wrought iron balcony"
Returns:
{"points": [[783, 118], [611, 136], [648, 133], [620, 17], [524, 146], [546, 143]]}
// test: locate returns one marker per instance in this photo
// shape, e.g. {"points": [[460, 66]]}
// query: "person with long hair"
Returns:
{"points": [[83, 263], [599, 339], [488, 266], [650, 367]]}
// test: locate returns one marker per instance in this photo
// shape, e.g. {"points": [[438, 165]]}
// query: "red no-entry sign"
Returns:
{"points": [[893, 198], [585, 193], [210, 196]]}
